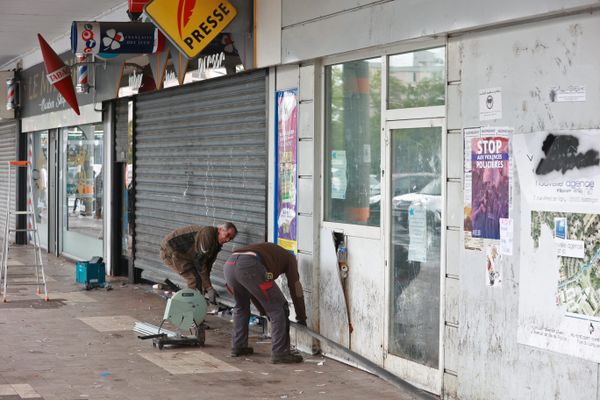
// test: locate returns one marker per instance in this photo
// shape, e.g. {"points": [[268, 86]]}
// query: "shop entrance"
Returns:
{"points": [[415, 248], [68, 189]]}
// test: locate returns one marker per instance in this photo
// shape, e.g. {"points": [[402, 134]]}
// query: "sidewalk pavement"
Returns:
{"points": [[80, 345]]}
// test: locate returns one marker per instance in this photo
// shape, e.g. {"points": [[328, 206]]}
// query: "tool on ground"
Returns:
{"points": [[36, 277], [92, 273], [186, 310]]}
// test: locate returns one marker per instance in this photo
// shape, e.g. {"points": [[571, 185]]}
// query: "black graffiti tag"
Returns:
{"points": [[562, 154]]}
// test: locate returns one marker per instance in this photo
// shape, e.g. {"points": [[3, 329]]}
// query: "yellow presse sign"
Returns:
{"points": [[191, 24]]}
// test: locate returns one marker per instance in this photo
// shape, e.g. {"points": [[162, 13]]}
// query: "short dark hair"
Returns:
{"points": [[229, 225]]}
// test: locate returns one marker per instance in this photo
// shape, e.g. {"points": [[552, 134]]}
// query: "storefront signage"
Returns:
{"points": [[135, 81], [5, 111], [191, 25], [58, 74], [213, 61], [38, 96], [115, 38]]}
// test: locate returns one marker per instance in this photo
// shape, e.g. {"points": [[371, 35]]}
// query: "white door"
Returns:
{"points": [[415, 169]]}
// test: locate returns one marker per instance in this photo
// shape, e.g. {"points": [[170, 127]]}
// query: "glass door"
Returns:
{"points": [[82, 191], [40, 182], [414, 237]]}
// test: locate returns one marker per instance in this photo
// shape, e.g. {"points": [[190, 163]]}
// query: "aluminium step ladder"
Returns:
{"points": [[37, 276]]}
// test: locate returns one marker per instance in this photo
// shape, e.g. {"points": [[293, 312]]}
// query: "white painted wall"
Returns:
{"points": [[268, 32], [482, 359], [340, 26], [525, 61]]}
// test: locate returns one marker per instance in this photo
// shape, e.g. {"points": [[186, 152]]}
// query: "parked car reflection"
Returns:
{"points": [[430, 197], [401, 184]]}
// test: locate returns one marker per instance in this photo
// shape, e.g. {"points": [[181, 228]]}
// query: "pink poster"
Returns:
{"points": [[287, 196], [490, 185]]}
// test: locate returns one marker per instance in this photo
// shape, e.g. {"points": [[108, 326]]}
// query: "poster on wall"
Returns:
{"points": [[489, 185], [490, 104], [471, 243], [559, 299], [475, 242], [493, 275], [287, 196]]}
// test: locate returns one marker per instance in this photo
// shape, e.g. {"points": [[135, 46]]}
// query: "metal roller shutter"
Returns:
{"points": [[200, 158], [121, 131], [8, 152]]}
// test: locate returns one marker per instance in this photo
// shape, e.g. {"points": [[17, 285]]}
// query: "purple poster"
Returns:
{"points": [[287, 134], [490, 190]]}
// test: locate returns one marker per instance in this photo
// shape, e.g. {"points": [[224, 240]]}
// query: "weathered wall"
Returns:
{"points": [[525, 61], [340, 26], [482, 359]]}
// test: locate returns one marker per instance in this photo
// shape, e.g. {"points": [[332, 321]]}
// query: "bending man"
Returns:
{"points": [[192, 250], [251, 272]]}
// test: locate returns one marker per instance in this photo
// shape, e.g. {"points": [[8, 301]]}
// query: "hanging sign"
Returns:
{"points": [[190, 24], [58, 74], [115, 38]]}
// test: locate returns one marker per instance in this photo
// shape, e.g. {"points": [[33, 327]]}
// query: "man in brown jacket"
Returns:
{"points": [[192, 250], [250, 272]]}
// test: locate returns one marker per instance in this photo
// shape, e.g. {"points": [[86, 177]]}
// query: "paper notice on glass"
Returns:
{"points": [[338, 174], [506, 236], [417, 233]]}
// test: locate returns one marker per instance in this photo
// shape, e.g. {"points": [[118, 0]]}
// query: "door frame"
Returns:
{"points": [[427, 378]]}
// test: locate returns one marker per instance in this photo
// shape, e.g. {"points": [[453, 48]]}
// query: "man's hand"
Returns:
{"points": [[211, 295]]}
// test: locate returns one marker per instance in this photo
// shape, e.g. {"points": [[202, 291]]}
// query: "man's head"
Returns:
{"points": [[226, 232]]}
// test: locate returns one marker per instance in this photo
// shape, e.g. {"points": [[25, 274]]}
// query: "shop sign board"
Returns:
{"points": [[5, 113], [190, 24]]}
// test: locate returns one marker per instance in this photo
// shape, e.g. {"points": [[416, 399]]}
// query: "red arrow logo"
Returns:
{"points": [[184, 13]]}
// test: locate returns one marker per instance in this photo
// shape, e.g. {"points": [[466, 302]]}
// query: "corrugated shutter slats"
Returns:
{"points": [[201, 158], [8, 152]]}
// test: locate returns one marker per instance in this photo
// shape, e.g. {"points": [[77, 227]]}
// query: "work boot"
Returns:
{"points": [[291, 358], [243, 351]]}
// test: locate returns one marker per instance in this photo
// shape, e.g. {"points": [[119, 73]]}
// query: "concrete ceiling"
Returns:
{"points": [[21, 20]]}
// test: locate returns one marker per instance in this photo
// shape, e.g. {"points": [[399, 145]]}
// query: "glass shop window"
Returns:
{"points": [[353, 142], [417, 79], [84, 180]]}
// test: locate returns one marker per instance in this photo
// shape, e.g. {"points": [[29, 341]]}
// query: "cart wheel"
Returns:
{"points": [[160, 346], [153, 344]]}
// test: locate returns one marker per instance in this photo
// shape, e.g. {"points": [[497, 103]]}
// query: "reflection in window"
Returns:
{"points": [[417, 79], [416, 240], [353, 103], [84, 180], [40, 176]]}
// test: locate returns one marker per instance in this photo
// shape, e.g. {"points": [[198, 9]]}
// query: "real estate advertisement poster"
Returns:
{"points": [[559, 283]]}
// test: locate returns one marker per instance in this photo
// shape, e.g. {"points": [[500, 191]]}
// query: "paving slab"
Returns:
{"points": [[80, 345]]}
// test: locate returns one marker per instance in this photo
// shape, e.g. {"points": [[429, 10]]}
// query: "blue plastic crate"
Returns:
{"points": [[90, 274]]}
